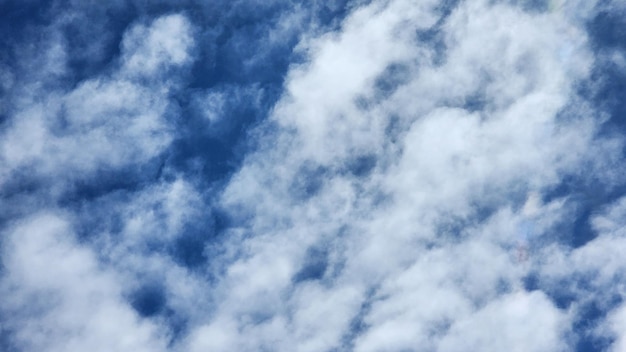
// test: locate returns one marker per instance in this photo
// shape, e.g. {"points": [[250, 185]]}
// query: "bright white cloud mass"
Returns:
{"points": [[343, 176]]}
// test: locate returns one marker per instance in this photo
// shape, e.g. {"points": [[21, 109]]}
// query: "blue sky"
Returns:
{"points": [[312, 176]]}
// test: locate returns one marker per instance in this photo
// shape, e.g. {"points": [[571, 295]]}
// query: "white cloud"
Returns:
{"points": [[60, 299], [158, 214], [105, 122], [616, 325], [166, 42], [211, 105], [514, 322], [99, 125], [320, 95]]}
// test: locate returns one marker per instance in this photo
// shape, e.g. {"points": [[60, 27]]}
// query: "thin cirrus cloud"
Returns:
{"points": [[349, 176]]}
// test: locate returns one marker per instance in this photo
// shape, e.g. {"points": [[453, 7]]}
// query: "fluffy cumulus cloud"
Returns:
{"points": [[278, 176]]}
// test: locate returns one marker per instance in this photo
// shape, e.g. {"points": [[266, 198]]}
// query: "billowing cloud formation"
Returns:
{"points": [[355, 176]]}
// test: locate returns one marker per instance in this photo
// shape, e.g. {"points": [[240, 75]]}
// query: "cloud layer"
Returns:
{"points": [[352, 176]]}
